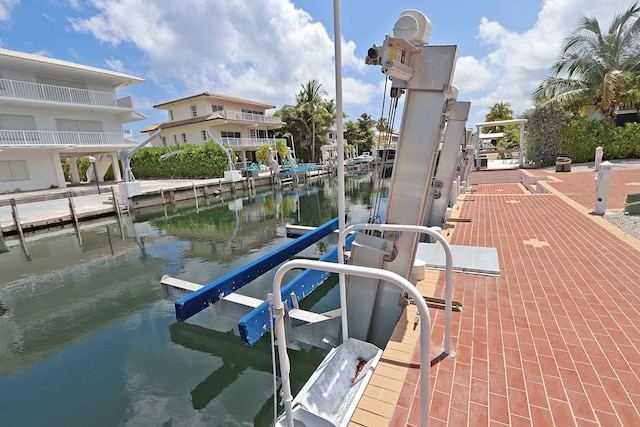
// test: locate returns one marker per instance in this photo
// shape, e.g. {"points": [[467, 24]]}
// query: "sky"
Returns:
{"points": [[264, 50]]}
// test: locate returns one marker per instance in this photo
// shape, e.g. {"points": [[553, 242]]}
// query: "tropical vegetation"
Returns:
{"points": [[359, 134], [309, 121], [598, 70], [511, 138]]}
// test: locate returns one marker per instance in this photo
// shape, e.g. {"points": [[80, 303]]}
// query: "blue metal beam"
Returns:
{"points": [[255, 324], [197, 301]]}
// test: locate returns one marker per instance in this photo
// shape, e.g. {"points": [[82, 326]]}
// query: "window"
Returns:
{"points": [[205, 137], [164, 140], [14, 170], [175, 139], [194, 111], [17, 122], [229, 134], [69, 125], [258, 133], [260, 113], [215, 108], [184, 138], [170, 114], [13, 122]]}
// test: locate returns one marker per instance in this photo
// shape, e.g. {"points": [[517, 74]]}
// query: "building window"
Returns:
{"points": [[215, 108], [184, 138], [246, 110], [229, 134], [164, 140], [194, 111], [205, 137], [175, 139], [170, 114], [14, 170]]}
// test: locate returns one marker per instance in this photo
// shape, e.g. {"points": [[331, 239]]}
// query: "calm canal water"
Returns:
{"points": [[87, 340]]}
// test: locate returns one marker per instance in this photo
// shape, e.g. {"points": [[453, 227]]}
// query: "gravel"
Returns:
{"points": [[630, 224]]}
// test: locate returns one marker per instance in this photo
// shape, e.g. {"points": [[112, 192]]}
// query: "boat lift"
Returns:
{"points": [[383, 256]]}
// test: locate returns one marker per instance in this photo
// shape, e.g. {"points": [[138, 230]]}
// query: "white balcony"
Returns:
{"points": [[32, 138], [247, 142], [49, 93], [250, 117]]}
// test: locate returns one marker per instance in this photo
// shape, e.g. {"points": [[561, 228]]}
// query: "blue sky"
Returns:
{"points": [[265, 49]]}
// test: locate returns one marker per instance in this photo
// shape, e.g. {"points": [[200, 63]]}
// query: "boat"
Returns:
{"points": [[384, 160], [363, 159]]}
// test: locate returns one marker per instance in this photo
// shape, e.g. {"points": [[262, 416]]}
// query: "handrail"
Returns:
{"points": [[61, 138], [370, 272], [431, 231], [44, 92]]}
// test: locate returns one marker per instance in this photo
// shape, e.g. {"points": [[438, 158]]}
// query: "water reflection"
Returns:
{"points": [[85, 338]]}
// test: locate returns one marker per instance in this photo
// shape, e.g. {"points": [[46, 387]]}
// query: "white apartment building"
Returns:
{"points": [[51, 110], [241, 124]]}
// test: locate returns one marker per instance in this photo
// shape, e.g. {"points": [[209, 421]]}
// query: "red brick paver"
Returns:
{"points": [[555, 339]]}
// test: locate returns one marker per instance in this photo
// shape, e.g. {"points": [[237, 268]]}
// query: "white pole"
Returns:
{"points": [[337, 43], [521, 165]]}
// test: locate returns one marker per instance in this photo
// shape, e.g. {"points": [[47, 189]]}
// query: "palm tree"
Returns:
{"points": [[309, 99], [601, 69]]}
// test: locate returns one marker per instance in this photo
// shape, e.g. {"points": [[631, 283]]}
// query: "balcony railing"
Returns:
{"points": [[247, 142], [25, 138], [626, 107], [250, 117], [41, 92]]}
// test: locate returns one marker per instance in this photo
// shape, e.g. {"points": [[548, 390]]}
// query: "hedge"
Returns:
{"points": [[190, 161], [582, 136]]}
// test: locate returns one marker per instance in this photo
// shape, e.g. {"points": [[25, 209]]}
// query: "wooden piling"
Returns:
{"points": [[195, 194], [74, 217], [116, 207], [16, 221]]}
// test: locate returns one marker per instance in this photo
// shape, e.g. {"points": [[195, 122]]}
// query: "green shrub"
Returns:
{"points": [[542, 133], [582, 136], [190, 161]]}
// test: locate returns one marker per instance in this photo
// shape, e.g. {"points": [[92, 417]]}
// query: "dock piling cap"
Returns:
{"points": [[419, 270]]}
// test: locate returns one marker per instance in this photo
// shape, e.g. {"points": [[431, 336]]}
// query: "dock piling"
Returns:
{"points": [[116, 207], [74, 217], [16, 221], [195, 195]]}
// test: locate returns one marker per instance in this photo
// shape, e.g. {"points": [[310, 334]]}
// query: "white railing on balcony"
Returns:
{"points": [[626, 107], [23, 138], [42, 92], [251, 117], [247, 142]]}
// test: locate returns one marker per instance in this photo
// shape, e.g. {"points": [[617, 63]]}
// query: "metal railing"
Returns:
{"points": [[55, 138], [370, 272], [430, 231], [51, 93], [251, 117], [247, 142]]}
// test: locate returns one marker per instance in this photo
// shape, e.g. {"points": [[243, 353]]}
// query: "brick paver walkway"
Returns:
{"points": [[554, 340]]}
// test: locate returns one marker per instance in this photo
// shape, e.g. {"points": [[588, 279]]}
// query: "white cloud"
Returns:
{"points": [[260, 50], [491, 31], [6, 6], [117, 65], [520, 61], [471, 74]]}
